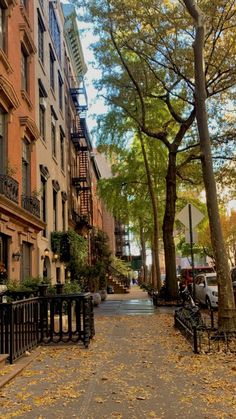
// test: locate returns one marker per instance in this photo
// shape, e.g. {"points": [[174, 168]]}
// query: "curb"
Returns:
{"points": [[19, 365]]}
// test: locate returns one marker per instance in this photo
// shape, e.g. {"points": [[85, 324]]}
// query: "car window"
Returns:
{"points": [[211, 281], [199, 279]]}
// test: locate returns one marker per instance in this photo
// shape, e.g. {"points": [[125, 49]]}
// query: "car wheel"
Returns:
{"points": [[208, 303]]}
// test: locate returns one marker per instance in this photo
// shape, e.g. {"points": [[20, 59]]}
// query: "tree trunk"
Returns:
{"points": [[226, 304], [168, 228], [156, 280]]}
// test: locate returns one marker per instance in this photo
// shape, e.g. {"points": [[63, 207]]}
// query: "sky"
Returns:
{"points": [[95, 103]]}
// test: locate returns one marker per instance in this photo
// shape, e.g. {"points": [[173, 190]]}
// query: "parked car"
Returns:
{"points": [[186, 274], [206, 289]]}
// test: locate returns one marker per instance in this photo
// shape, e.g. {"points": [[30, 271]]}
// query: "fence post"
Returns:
{"points": [[212, 319], [11, 334], [92, 329], [195, 343]]}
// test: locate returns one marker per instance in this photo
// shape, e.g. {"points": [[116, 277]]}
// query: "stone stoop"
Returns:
{"points": [[3, 360], [119, 288]]}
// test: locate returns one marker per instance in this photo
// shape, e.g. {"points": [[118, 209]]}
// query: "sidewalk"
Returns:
{"points": [[137, 366]]}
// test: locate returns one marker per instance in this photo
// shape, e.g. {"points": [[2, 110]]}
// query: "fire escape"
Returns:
{"points": [[122, 241], [80, 174]]}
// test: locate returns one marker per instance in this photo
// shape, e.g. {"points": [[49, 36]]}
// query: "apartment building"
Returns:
{"points": [[52, 147], [48, 170], [85, 213], [19, 205]]}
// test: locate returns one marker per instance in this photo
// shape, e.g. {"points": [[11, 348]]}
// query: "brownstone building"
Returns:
{"points": [[19, 206]]}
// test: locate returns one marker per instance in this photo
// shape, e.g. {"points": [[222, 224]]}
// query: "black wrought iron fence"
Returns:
{"points": [[66, 318], [18, 327], [204, 337], [41, 320]]}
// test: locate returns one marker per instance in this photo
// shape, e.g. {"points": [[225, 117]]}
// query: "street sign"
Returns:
{"points": [[190, 217], [188, 238], [196, 216]]}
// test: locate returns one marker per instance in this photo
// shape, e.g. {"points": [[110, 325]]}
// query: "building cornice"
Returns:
{"points": [[8, 94], [20, 215], [29, 128]]}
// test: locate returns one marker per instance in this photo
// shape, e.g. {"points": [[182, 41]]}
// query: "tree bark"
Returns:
{"points": [[156, 271], [168, 228], [226, 303]]}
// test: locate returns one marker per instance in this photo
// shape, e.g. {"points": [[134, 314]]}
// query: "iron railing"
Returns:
{"points": [[205, 337], [18, 327], [31, 204], [41, 320], [9, 187], [66, 318]]}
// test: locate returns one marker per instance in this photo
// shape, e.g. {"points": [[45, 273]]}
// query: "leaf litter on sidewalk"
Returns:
{"points": [[135, 365]]}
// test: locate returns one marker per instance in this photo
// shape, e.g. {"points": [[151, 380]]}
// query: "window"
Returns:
{"points": [[26, 260], [63, 214], [43, 206], [3, 257], [41, 29], [25, 168], [53, 137], [62, 149], [58, 275], [24, 70], [55, 31], [2, 27], [2, 141], [52, 76], [42, 121], [42, 110], [54, 200], [60, 91], [24, 3], [42, 3]]}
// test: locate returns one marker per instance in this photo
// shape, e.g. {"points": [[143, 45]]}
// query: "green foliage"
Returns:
{"points": [[69, 245], [100, 246], [28, 284], [72, 249], [72, 288], [122, 266], [185, 249]]}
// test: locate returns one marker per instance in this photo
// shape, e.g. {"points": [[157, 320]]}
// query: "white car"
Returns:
{"points": [[206, 289]]}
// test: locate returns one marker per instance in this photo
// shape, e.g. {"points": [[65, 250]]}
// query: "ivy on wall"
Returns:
{"points": [[70, 246]]}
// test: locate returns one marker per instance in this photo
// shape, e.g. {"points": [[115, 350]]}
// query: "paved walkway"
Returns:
{"points": [[137, 366], [136, 302]]}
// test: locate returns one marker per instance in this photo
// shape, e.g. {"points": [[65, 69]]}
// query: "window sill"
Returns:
{"points": [[25, 15], [5, 61], [61, 113], [55, 159], [26, 97], [42, 66], [53, 93], [43, 141]]}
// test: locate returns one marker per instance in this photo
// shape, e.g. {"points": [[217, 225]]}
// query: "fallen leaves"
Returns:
{"points": [[135, 367]]}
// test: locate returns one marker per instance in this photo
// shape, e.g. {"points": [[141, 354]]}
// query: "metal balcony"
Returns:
{"points": [[9, 187], [31, 204], [79, 97]]}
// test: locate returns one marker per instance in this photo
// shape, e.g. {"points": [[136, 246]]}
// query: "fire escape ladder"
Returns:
{"points": [[84, 183]]}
